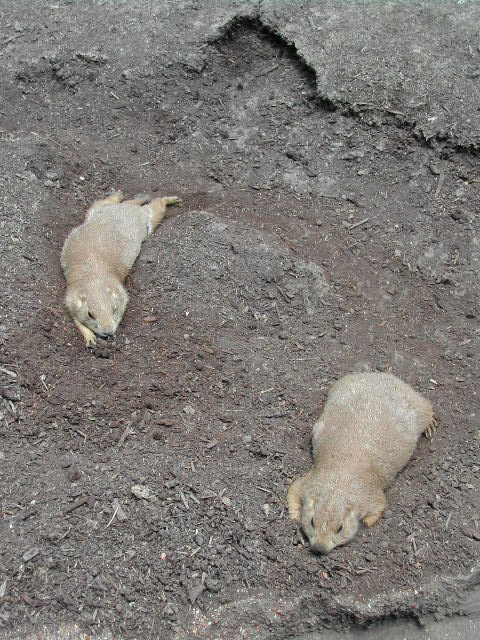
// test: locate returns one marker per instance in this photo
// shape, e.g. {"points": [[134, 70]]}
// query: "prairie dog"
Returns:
{"points": [[368, 430], [97, 256]]}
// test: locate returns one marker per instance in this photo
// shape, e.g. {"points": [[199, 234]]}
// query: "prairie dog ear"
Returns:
{"points": [[111, 292], [74, 300]]}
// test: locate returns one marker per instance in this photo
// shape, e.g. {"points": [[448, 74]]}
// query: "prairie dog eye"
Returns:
{"points": [[312, 523], [91, 316], [115, 308], [339, 528]]}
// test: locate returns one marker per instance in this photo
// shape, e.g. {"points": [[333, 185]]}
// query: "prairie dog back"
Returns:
{"points": [[98, 255], [114, 231], [374, 416], [366, 434]]}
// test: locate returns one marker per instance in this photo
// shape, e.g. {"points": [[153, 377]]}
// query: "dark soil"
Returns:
{"points": [[310, 243]]}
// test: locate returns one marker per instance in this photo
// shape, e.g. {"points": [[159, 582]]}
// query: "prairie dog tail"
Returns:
{"points": [[158, 207]]}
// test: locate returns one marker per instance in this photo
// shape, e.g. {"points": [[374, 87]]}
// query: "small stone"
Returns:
{"points": [[226, 501], [157, 434], [141, 492], [213, 585], [266, 509], [471, 533], [170, 611], [224, 418], [319, 222], [188, 410], [73, 474], [165, 422], [247, 439], [195, 592], [119, 512], [52, 183]]}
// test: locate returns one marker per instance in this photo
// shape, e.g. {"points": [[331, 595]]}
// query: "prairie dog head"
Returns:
{"points": [[326, 517], [100, 307], [328, 523]]}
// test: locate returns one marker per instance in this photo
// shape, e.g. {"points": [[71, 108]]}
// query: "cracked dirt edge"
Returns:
{"points": [[257, 20]]}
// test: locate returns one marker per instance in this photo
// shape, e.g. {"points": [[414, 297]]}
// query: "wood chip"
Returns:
{"points": [[30, 554], [7, 372], [441, 180], [184, 500], [124, 436], [357, 224], [78, 503]]}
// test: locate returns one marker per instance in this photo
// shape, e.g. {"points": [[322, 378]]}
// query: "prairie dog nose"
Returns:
{"points": [[320, 548], [109, 331]]}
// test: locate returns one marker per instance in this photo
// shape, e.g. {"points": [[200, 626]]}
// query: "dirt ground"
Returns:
{"points": [[311, 242]]}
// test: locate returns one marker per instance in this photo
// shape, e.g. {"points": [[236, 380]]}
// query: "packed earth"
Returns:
{"points": [[143, 481]]}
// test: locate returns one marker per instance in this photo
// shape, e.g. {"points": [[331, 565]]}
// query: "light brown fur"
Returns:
{"points": [[98, 255], [367, 433]]}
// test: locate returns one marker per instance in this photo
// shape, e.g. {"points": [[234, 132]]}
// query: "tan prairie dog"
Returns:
{"points": [[98, 255], [367, 432]]}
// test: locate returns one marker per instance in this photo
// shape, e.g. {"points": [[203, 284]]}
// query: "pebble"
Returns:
{"points": [[195, 592], [472, 534], [73, 474], [120, 513], [141, 492], [213, 585]]}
